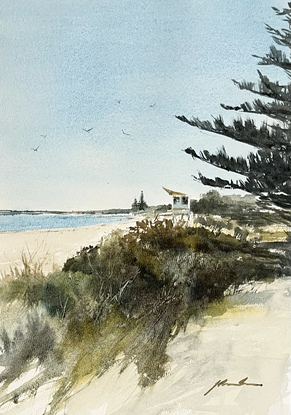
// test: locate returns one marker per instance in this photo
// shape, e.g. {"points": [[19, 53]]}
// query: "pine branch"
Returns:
{"points": [[242, 131], [218, 182], [284, 11], [266, 88], [275, 110], [276, 57], [269, 167], [282, 38], [221, 160]]}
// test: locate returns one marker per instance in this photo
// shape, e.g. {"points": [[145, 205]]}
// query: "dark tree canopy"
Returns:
{"points": [[139, 205], [134, 205], [267, 171], [142, 204]]}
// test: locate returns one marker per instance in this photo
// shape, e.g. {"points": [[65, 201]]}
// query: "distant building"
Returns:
{"points": [[181, 202]]}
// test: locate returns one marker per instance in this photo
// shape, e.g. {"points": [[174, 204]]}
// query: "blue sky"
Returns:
{"points": [[125, 68]]}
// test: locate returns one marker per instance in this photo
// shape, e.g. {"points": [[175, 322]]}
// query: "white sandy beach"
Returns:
{"points": [[51, 248]]}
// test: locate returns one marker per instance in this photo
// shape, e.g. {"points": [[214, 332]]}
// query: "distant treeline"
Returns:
{"points": [[215, 204], [243, 210]]}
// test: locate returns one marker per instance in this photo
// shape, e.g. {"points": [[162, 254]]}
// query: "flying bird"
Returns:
{"points": [[123, 132], [44, 136], [88, 129], [35, 149], [152, 105]]}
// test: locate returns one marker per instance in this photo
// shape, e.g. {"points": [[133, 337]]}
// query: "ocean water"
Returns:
{"points": [[28, 222]]}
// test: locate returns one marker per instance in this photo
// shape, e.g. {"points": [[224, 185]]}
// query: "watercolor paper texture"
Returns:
{"points": [[159, 295], [117, 67]]}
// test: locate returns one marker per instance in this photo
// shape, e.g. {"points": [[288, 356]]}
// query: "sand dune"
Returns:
{"points": [[249, 337]]}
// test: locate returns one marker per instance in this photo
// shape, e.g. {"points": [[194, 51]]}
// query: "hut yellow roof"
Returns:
{"points": [[173, 192]]}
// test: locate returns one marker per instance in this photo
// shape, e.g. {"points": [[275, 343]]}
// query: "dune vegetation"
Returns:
{"points": [[120, 301]]}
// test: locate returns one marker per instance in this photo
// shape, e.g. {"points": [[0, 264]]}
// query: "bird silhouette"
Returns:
{"points": [[44, 136], [123, 132], [35, 149], [152, 105], [88, 129]]}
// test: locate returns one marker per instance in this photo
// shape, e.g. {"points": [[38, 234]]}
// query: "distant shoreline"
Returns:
{"points": [[63, 212], [48, 221]]}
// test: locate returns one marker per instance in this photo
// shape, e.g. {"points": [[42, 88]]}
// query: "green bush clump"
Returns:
{"points": [[25, 284], [133, 270]]}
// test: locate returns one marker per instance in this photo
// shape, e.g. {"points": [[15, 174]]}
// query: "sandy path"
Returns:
{"points": [[50, 247]]}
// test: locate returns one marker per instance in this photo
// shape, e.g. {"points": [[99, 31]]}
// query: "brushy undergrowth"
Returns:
{"points": [[129, 295]]}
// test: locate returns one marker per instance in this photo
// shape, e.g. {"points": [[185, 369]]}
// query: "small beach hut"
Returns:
{"points": [[180, 202]]}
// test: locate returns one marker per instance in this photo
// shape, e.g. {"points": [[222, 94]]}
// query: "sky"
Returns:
{"points": [[124, 68]]}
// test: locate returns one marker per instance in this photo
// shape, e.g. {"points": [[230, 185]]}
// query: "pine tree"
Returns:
{"points": [[142, 205], [134, 206], [268, 170]]}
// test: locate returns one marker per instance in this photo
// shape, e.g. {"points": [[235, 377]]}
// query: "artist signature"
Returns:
{"points": [[226, 383]]}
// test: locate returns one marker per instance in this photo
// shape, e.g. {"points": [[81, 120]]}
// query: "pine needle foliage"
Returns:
{"points": [[267, 172]]}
